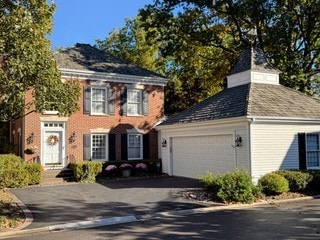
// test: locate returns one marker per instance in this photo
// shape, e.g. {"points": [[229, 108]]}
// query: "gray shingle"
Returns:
{"points": [[253, 99], [87, 58], [252, 59]]}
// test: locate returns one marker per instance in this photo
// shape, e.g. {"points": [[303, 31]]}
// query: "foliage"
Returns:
{"points": [[272, 183], [313, 185], [15, 173], [125, 166], [86, 171], [27, 65], [287, 31], [141, 166], [235, 186], [34, 171], [298, 181]]}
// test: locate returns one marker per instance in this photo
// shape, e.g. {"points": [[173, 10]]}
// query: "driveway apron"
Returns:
{"points": [[79, 202]]}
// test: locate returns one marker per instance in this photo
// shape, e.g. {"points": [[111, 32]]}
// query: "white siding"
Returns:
{"points": [[275, 146]]}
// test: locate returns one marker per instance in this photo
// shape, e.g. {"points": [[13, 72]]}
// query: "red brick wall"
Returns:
{"points": [[81, 123]]}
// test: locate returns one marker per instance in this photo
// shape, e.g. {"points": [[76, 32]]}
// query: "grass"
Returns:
{"points": [[11, 215]]}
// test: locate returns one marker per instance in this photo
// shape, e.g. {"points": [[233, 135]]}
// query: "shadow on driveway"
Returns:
{"points": [[78, 202]]}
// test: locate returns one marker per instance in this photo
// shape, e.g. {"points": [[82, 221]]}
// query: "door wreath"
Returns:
{"points": [[52, 140]]}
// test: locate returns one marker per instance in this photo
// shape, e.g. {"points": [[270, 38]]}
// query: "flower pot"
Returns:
{"points": [[126, 173]]}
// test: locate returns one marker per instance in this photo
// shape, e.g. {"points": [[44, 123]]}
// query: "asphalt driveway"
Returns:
{"points": [[80, 202]]}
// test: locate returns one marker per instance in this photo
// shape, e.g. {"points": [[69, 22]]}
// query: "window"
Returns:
{"points": [[134, 146], [134, 102], [99, 146], [312, 145], [98, 100]]}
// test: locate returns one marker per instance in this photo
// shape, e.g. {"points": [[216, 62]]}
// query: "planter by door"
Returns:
{"points": [[126, 173]]}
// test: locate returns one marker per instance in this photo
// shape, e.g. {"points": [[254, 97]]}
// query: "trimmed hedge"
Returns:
{"points": [[273, 184], [86, 171], [235, 186], [16, 173], [298, 181]]}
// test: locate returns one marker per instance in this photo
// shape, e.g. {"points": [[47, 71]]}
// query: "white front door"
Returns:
{"points": [[52, 149]]}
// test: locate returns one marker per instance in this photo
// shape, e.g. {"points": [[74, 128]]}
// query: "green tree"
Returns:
{"points": [[287, 31], [27, 63]]}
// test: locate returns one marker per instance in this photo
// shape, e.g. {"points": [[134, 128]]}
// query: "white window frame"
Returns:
{"points": [[139, 103], [316, 150], [105, 101], [93, 135], [141, 146]]}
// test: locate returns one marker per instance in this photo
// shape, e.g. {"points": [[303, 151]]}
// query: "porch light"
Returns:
{"points": [[238, 140], [73, 137], [31, 138], [164, 142]]}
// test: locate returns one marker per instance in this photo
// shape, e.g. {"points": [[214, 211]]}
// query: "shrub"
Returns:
{"points": [[8, 161], [233, 186], [34, 173], [272, 183], [86, 171], [298, 181], [313, 186], [14, 177]]}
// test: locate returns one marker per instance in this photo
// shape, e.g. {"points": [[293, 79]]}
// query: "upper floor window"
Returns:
{"points": [[134, 102], [98, 100]]}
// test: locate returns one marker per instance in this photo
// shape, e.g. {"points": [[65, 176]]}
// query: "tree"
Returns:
{"points": [[27, 63], [195, 71], [287, 31]]}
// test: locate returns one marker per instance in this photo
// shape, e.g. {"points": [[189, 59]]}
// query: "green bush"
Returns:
{"points": [[34, 173], [313, 186], [86, 171], [14, 177], [298, 181], [8, 161], [235, 186], [272, 183]]}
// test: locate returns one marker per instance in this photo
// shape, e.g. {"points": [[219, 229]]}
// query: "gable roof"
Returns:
{"points": [[84, 57], [252, 99], [252, 59]]}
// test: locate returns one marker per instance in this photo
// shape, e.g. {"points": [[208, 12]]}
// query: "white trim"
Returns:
{"points": [[100, 130], [134, 131], [112, 77]]}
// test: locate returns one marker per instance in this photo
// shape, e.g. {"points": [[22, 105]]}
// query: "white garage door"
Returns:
{"points": [[193, 156]]}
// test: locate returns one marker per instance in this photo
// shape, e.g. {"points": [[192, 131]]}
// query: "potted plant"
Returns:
{"points": [[141, 168], [126, 169], [111, 170], [31, 150]]}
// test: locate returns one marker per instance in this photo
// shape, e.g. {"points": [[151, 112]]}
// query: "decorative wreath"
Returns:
{"points": [[52, 140]]}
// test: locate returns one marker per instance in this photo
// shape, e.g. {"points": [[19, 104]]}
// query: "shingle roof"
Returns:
{"points": [[253, 99], [87, 58], [252, 59]]}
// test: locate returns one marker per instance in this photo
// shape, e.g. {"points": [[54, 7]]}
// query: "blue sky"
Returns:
{"points": [[85, 21]]}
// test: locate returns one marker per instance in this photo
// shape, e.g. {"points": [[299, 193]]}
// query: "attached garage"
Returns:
{"points": [[194, 155]]}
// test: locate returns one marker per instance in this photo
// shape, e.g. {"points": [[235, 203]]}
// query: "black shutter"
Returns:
{"points": [[87, 100], [111, 101], [123, 102], [302, 151], [87, 147], [124, 146], [146, 146], [145, 102], [112, 147]]}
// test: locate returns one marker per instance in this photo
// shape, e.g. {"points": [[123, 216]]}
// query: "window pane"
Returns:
{"points": [[98, 100], [312, 142], [99, 147], [134, 146], [313, 159], [134, 102]]}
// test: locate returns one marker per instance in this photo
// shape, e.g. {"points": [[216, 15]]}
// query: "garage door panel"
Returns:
{"points": [[193, 156]]}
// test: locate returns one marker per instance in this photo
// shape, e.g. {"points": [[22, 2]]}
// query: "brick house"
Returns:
{"points": [[119, 106]]}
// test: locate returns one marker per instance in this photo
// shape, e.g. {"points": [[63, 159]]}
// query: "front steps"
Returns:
{"points": [[56, 177]]}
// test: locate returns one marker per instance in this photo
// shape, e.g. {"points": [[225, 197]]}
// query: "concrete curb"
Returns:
{"points": [[132, 218]]}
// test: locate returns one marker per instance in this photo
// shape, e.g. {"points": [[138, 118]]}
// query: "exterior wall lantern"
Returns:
{"points": [[164, 142], [238, 141], [73, 137], [31, 138]]}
